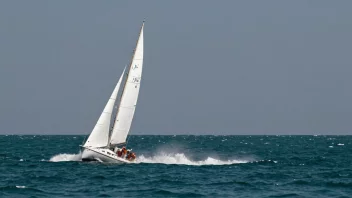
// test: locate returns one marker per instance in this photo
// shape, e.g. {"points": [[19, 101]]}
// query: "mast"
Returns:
{"points": [[129, 96], [129, 68]]}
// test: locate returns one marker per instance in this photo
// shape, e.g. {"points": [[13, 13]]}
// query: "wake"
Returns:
{"points": [[181, 159], [66, 157], [160, 158]]}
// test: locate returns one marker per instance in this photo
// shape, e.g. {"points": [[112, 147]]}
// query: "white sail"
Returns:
{"points": [[129, 96], [99, 137]]}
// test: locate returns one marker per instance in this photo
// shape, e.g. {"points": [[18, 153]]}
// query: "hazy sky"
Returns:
{"points": [[210, 67]]}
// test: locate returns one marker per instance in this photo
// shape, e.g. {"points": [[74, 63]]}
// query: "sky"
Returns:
{"points": [[210, 67]]}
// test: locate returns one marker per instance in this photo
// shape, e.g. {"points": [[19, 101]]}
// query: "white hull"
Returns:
{"points": [[102, 155]]}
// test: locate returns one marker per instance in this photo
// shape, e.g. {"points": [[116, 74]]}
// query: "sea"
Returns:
{"points": [[180, 166]]}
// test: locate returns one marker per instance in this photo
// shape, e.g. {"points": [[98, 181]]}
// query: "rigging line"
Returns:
{"points": [[117, 100], [111, 129]]}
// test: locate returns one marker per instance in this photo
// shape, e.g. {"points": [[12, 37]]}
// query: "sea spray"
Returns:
{"points": [[159, 158], [66, 157], [182, 159]]}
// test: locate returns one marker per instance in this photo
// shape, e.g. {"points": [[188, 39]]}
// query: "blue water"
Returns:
{"points": [[180, 166]]}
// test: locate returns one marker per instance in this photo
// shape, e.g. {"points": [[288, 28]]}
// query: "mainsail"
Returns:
{"points": [[100, 134], [129, 96]]}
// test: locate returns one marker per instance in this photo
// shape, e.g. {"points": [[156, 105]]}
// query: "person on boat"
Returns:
{"points": [[119, 152], [131, 156], [128, 156], [124, 152]]}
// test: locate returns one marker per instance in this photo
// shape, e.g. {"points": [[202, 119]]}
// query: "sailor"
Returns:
{"points": [[132, 156], [124, 151], [129, 156], [119, 152]]}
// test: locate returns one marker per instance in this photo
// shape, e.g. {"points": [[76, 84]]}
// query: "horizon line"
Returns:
{"points": [[190, 134]]}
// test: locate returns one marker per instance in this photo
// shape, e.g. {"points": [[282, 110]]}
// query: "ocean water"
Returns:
{"points": [[180, 166]]}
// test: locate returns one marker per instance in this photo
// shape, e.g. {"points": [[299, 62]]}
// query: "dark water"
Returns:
{"points": [[181, 166]]}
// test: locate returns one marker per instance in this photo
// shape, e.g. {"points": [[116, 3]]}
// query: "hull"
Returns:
{"points": [[101, 155]]}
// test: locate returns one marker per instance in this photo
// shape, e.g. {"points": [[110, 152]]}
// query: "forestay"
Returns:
{"points": [[129, 96], [100, 134]]}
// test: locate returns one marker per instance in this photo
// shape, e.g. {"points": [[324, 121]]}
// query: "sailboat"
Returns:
{"points": [[104, 141]]}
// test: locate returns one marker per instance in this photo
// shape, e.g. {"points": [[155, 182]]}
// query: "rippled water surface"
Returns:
{"points": [[180, 166]]}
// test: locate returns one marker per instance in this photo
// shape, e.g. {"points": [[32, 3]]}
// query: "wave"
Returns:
{"points": [[180, 158], [160, 158], [66, 157]]}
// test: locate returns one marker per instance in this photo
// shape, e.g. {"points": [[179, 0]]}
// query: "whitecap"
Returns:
{"points": [[20, 186], [340, 144], [66, 157], [180, 158]]}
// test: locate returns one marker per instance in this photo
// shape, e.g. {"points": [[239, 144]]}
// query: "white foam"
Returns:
{"points": [[66, 157], [160, 158], [340, 144], [20, 186], [180, 158]]}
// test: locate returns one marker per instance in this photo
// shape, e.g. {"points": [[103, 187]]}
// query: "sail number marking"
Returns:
{"points": [[136, 79]]}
